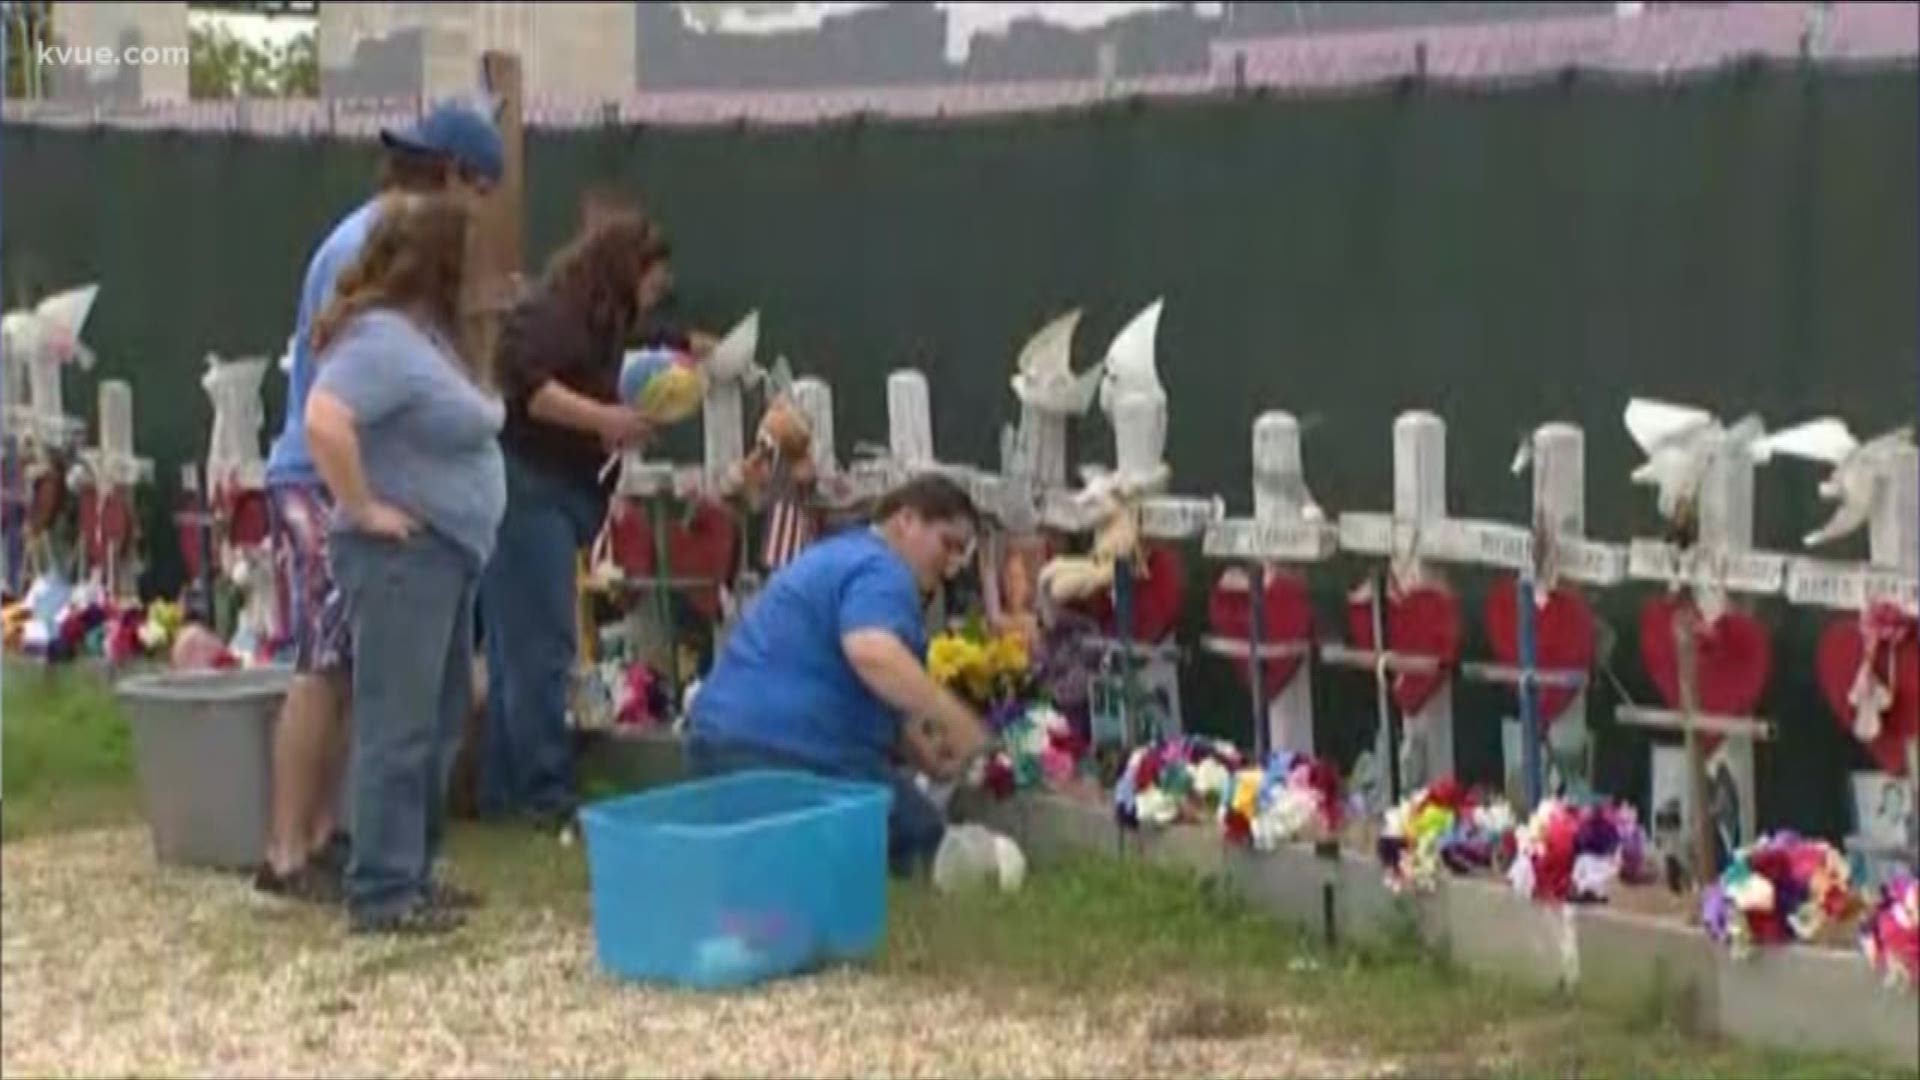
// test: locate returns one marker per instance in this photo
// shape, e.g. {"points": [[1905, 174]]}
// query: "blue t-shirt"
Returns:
{"points": [[782, 682], [288, 462], [429, 437]]}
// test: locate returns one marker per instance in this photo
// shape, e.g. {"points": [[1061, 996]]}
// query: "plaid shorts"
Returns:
{"points": [[312, 618]]}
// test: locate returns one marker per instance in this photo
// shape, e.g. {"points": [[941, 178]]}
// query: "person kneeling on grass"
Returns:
{"points": [[831, 656]]}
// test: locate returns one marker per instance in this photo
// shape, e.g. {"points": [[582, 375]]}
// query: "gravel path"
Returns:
{"points": [[112, 966]]}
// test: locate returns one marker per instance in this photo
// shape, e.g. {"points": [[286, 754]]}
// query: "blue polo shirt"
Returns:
{"points": [[288, 462], [782, 682]]}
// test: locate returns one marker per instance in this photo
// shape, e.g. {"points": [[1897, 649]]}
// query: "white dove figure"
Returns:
{"points": [[1134, 400], [1044, 375], [51, 329], [1858, 469], [1682, 443], [1130, 364], [732, 356]]}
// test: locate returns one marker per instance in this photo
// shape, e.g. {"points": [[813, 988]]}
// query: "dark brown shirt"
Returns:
{"points": [[542, 339]]}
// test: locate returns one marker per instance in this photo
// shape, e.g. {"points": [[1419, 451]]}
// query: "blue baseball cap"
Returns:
{"points": [[458, 131]]}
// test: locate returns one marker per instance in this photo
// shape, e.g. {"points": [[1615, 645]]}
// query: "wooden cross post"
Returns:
{"points": [[1285, 528], [1416, 530], [1552, 549], [48, 438], [494, 255], [115, 471], [1721, 560], [1886, 472]]}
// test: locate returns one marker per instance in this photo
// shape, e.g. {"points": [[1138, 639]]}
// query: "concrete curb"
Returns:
{"points": [[1800, 998]]}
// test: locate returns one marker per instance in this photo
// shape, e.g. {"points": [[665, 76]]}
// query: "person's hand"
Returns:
{"points": [[384, 521], [701, 342], [623, 428]]}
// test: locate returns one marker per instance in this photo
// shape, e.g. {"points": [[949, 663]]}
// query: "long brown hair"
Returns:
{"points": [[413, 258], [598, 274]]}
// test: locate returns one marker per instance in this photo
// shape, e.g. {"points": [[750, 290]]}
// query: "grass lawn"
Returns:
{"points": [[1080, 940]]}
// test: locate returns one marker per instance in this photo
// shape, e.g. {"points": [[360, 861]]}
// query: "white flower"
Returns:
{"points": [[1287, 818], [1520, 876], [1497, 819], [1155, 807], [1593, 875], [1210, 778]]}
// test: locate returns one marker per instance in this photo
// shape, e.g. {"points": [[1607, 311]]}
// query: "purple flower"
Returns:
{"points": [[1714, 910], [1596, 834]]}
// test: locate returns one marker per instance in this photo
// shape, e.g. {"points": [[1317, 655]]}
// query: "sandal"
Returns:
{"points": [[417, 919]]}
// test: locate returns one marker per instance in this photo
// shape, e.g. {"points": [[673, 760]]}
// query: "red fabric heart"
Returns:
{"points": [[702, 547], [48, 498], [1841, 648], [1286, 616], [1422, 621], [1562, 636], [247, 517], [1735, 659], [1157, 595]]}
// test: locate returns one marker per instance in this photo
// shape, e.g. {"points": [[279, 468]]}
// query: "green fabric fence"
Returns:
{"points": [[1503, 259]]}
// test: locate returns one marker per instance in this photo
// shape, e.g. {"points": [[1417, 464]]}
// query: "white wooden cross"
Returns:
{"points": [[1286, 527], [1703, 472], [1136, 405], [1875, 484], [728, 371], [114, 471], [235, 465], [1417, 530], [1554, 548]]}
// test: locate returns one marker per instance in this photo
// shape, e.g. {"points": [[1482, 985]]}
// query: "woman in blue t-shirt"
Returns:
{"points": [[406, 440]]}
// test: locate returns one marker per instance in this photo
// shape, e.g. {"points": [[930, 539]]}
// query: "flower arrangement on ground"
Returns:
{"points": [[1444, 824], [1779, 889], [1177, 779], [1294, 797], [1890, 936], [1573, 854], [1037, 747]]}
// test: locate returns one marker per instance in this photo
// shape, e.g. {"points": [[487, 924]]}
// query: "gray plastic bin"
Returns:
{"points": [[203, 744]]}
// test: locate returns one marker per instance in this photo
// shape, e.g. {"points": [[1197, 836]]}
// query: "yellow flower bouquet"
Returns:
{"points": [[987, 670]]}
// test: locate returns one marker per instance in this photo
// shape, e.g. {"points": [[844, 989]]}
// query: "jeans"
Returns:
{"points": [[915, 826], [527, 599], [411, 606]]}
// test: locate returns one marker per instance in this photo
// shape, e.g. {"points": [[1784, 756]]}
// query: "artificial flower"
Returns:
{"points": [[1443, 825], [1779, 889]]}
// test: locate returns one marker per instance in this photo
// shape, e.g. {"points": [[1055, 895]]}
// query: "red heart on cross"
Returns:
{"points": [[1421, 621], [699, 547], [1158, 592], [1734, 659], [248, 518], [1841, 649], [105, 521], [1563, 638], [48, 497], [1286, 615]]}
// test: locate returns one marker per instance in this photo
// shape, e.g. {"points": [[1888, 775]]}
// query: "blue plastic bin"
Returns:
{"points": [[733, 880]]}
